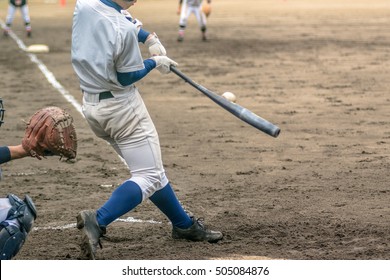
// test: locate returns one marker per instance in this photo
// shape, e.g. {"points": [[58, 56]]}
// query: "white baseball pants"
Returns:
{"points": [[125, 123]]}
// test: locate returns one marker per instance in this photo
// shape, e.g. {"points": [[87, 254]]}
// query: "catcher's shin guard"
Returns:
{"points": [[22, 210], [11, 240], [12, 237]]}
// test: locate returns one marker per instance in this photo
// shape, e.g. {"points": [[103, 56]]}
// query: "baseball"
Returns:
{"points": [[229, 96]]}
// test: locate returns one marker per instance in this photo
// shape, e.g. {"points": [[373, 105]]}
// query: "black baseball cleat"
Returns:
{"points": [[87, 223], [197, 232]]}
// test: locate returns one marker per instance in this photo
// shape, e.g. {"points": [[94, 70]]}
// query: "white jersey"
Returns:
{"points": [[96, 63], [192, 7], [194, 3]]}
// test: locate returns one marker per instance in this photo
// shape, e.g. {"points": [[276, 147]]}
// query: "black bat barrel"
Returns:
{"points": [[240, 112]]}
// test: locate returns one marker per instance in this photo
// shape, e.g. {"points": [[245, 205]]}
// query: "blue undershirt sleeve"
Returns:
{"points": [[142, 35], [129, 78], [5, 154]]}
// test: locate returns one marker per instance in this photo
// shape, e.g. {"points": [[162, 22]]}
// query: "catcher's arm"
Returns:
{"points": [[8, 153], [17, 152]]}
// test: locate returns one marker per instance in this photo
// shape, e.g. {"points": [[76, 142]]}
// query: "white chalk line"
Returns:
{"points": [[53, 81], [49, 75], [73, 225]]}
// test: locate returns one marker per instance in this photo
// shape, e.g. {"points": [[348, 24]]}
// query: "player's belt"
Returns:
{"points": [[105, 95]]}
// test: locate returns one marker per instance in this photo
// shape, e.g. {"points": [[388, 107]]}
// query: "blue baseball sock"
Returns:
{"points": [[166, 200], [125, 198]]}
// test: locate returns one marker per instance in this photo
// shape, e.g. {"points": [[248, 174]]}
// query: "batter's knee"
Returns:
{"points": [[150, 183]]}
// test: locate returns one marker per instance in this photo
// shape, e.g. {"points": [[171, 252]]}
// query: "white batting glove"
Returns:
{"points": [[164, 63], [155, 46]]}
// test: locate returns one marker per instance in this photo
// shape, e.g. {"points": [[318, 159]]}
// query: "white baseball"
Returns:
{"points": [[229, 96]]}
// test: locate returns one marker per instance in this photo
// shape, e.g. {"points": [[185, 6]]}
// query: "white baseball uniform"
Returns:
{"points": [[123, 121], [12, 7], [107, 59], [189, 7]]}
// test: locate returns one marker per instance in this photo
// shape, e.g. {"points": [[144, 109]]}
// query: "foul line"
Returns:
{"points": [[73, 225], [53, 81], [49, 75]]}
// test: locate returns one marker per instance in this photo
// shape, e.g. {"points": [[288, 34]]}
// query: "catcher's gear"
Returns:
{"points": [[50, 131], [12, 237], [22, 210], [1, 112], [11, 240]]}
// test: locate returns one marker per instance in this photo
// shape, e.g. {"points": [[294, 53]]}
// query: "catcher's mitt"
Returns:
{"points": [[50, 131]]}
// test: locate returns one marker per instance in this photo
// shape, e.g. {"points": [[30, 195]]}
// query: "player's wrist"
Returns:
{"points": [[17, 152], [151, 39]]}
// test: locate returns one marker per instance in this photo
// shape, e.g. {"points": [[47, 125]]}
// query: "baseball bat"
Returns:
{"points": [[237, 110]]}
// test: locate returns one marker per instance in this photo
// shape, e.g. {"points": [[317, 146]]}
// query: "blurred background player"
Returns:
{"points": [[12, 7], [16, 216], [186, 8]]}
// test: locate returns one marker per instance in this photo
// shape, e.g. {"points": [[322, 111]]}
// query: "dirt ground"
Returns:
{"points": [[317, 69]]}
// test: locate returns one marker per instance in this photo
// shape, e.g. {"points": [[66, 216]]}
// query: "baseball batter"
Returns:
{"points": [[188, 7], [12, 7], [107, 59]]}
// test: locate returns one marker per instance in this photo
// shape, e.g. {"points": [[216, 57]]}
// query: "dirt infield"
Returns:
{"points": [[317, 69]]}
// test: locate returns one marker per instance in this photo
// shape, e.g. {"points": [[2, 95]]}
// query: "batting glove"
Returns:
{"points": [[155, 46], [164, 63]]}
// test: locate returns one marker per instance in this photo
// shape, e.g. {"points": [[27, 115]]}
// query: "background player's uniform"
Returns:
{"points": [[12, 7], [189, 7]]}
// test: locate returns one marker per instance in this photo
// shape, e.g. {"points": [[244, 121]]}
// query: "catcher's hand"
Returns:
{"points": [[50, 131]]}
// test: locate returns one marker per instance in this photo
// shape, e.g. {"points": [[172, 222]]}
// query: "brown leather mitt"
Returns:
{"points": [[50, 131]]}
